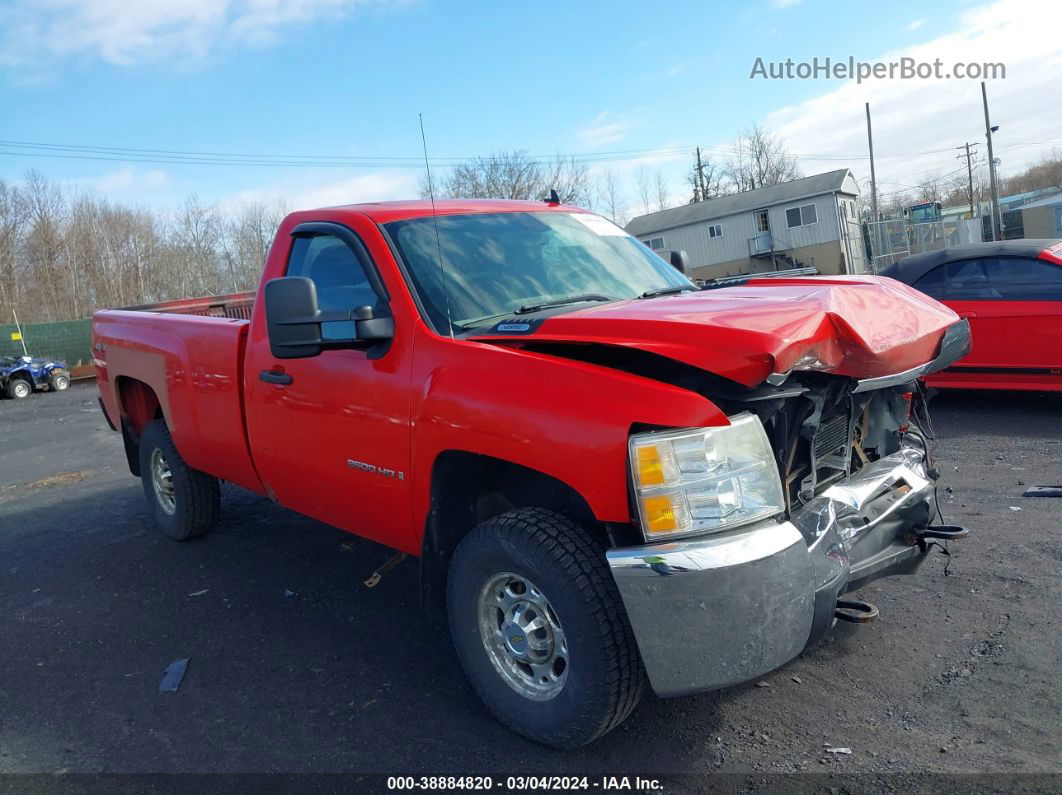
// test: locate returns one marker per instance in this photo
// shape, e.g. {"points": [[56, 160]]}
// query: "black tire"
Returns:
{"points": [[59, 380], [195, 498], [19, 388], [567, 564]]}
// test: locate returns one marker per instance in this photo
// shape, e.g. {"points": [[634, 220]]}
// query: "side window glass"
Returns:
{"points": [[335, 270], [1025, 279], [933, 283], [968, 281]]}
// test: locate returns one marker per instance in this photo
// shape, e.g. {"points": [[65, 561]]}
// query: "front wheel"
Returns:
{"points": [[19, 388], [540, 629], [184, 501]]}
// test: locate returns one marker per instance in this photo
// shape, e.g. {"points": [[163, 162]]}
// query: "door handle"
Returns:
{"points": [[966, 314], [275, 377]]}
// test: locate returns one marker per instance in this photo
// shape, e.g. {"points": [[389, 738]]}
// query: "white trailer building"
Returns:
{"points": [[807, 222]]}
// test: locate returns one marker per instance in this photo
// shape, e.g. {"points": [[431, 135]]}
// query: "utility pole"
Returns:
{"points": [[989, 129], [699, 188], [969, 171], [873, 179]]}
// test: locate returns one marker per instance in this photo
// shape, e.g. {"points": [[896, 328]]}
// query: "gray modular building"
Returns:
{"points": [[807, 222]]}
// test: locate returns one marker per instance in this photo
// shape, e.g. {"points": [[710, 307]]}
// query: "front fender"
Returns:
{"points": [[569, 420]]}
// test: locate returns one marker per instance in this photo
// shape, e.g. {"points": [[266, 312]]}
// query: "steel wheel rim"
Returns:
{"points": [[523, 637], [162, 482], [22, 389], [61, 383]]}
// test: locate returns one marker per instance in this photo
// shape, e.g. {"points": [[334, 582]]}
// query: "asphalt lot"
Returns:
{"points": [[297, 667]]}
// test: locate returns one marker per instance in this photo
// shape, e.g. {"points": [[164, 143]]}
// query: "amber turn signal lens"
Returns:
{"points": [[650, 467], [659, 514]]}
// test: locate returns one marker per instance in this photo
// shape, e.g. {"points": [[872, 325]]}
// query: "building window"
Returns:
{"points": [[763, 223], [715, 230], [655, 243], [804, 215]]}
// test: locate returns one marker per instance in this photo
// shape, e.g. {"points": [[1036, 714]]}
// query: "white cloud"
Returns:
{"points": [[783, 3], [304, 195], [915, 116], [128, 180], [915, 24], [127, 32], [606, 128]]}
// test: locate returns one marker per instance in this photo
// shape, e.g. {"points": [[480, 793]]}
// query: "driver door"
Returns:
{"points": [[332, 441]]}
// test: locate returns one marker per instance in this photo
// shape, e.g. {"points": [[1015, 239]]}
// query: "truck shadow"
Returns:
{"points": [[294, 664]]}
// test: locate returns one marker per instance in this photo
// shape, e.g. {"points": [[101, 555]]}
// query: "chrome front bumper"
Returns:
{"points": [[715, 611]]}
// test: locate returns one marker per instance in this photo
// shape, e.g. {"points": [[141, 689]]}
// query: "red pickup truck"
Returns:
{"points": [[609, 475]]}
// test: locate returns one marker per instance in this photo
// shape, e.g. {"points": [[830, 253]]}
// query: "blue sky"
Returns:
{"points": [[334, 77]]}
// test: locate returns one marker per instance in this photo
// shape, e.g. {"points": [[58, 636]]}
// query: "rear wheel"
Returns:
{"points": [[540, 629], [58, 381], [184, 501], [19, 388]]}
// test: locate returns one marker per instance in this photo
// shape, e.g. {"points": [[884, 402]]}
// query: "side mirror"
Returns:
{"points": [[294, 321], [679, 261]]}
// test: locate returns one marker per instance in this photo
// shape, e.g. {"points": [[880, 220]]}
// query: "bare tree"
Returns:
{"points": [[65, 253], [1045, 173], [246, 242], [12, 224], [612, 194], [928, 189], [760, 159], [644, 189], [514, 175], [706, 180], [197, 233], [660, 192], [45, 245]]}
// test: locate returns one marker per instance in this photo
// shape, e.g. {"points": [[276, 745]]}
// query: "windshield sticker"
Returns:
{"points": [[602, 226]]}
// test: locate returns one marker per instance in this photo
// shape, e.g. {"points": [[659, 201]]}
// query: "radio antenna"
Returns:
{"points": [[435, 222]]}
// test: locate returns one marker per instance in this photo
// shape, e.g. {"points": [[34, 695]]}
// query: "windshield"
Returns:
{"points": [[495, 264]]}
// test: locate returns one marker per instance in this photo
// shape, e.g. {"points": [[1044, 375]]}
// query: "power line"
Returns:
{"points": [[236, 159]]}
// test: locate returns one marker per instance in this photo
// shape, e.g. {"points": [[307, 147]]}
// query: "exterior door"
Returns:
{"points": [[762, 242], [334, 442]]}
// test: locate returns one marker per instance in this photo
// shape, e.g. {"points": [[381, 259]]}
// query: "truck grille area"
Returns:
{"points": [[822, 430], [832, 435]]}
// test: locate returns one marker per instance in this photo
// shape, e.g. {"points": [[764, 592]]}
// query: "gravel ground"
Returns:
{"points": [[296, 667]]}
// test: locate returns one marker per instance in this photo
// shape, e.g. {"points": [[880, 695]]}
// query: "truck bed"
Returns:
{"points": [[189, 354], [235, 306]]}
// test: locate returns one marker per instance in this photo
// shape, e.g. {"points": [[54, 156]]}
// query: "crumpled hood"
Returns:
{"points": [[857, 326]]}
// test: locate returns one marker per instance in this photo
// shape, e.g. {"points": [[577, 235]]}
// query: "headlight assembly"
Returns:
{"points": [[704, 480]]}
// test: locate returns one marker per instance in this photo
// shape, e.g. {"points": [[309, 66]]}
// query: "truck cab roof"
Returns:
{"points": [[384, 212]]}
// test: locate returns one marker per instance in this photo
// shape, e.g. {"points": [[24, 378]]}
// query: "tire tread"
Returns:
{"points": [[556, 543], [198, 494]]}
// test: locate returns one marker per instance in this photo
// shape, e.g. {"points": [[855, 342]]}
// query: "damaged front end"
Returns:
{"points": [[860, 493]]}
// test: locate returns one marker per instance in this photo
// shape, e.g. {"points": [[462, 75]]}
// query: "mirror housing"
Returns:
{"points": [[294, 321]]}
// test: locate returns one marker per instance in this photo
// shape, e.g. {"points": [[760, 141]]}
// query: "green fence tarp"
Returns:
{"points": [[68, 340]]}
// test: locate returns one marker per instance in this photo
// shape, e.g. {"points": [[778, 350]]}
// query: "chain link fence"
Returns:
{"points": [[889, 241]]}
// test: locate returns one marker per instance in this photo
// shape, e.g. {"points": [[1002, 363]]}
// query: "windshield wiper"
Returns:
{"points": [[571, 299], [666, 291]]}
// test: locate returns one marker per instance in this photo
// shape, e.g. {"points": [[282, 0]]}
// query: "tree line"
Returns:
{"points": [[65, 253], [757, 159]]}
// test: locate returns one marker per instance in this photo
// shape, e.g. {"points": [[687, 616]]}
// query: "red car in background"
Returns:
{"points": [[1011, 292]]}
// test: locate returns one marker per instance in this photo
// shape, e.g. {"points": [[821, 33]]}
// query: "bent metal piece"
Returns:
{"points": [[714, 634], [855, 611]]}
